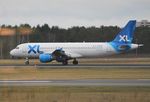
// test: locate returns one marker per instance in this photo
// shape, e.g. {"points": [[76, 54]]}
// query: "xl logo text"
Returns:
{"points": [[34, 49], [124, 38]]}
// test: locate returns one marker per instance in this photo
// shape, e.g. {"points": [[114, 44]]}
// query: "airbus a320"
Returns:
{"points": [[62, 52]]}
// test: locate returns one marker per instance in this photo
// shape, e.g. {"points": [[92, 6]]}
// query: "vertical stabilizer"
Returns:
{"points": [[126, 34]]}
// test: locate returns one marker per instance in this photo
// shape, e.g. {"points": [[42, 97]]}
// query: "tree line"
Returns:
{"points": [[11, 36]]}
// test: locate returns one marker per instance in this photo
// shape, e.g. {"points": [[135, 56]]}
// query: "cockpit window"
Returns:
{"points": [[17, 47]]}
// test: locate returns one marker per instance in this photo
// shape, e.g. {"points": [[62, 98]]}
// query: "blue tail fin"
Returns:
{"points": [[126, 34]]}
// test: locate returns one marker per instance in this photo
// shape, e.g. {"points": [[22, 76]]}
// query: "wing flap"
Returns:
{"points": [[73, 55]]}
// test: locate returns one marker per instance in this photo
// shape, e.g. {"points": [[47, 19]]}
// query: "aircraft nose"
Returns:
{"points": [[12, 52]]}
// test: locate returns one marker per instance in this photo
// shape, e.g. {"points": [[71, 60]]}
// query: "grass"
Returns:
{"points": [[74, 94], [33, 73], [75, 73]]}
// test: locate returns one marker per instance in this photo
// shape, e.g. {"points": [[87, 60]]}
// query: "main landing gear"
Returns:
{"points": [[65, 62], [27, 61], [75, 62]]}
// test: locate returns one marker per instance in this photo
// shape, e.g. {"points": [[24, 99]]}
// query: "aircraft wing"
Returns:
{"points": [[73, 55], [65, 54]]}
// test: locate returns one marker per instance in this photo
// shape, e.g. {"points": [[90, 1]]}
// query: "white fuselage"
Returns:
{"points": [[62, 52], [74, 50]]}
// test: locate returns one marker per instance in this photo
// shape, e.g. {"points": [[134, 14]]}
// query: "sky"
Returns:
{"points": [[68, 13]]}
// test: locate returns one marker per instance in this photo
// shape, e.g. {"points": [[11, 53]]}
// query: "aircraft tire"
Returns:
{"points": [[75, 62], [26, 62], [65, 62]]}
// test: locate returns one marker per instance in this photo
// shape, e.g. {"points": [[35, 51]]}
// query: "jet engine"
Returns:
{"points": [[45, 58]]}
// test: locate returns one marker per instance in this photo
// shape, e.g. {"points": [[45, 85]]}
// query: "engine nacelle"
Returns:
{"points": [[45, 58]]}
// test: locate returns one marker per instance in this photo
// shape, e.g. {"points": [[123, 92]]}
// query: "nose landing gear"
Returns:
{"points": [[27, 61]]}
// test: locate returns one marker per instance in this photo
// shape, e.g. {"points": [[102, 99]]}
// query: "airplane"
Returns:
{"points": [[62, 52]]}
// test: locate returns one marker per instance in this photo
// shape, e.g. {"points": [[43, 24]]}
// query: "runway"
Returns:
{"points": [[78, 66], [87, 82]]}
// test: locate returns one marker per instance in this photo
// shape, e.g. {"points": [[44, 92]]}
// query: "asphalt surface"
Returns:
{"points": [[98, 82], [79, 66]]}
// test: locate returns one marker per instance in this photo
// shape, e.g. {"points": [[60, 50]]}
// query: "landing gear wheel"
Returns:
{"points": [[65, 62], [75, 62], [27, 61]]}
